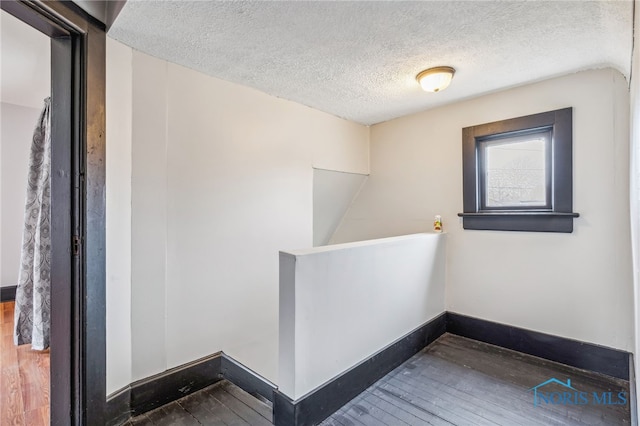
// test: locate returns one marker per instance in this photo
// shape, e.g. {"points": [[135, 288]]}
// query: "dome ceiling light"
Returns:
{"points": [[435, 79]]}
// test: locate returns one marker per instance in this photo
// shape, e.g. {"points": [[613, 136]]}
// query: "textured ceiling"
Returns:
{"points": [[358, 60], [25, 58]]}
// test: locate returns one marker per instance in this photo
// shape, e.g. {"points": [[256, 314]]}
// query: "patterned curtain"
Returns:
{"points": [[33, 297]]}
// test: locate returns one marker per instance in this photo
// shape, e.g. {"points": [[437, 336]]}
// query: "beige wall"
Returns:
{"points": [[574, 285], [221, 180], [118, 227], [333, 193]]}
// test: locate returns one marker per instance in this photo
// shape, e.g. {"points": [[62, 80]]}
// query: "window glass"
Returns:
{"points": [[515, 172]]}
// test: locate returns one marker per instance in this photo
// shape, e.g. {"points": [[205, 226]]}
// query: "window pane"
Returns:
{"points": [[515, 172]]}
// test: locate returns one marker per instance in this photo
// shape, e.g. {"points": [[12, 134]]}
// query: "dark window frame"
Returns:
{"points": [[558, 215]]}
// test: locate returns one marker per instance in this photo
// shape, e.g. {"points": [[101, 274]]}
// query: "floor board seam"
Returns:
{"points": [[190, 413]]}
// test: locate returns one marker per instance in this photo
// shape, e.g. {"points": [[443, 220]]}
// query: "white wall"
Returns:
{"points": [[340, 304], [118, 227], [573, 285], [25, 69], [221, 181], [149, 216], [25, 81], [333, 193], [17, 124]]}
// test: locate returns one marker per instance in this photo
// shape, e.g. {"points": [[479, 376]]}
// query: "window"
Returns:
{"points": [[517, 174], [515, 171]]}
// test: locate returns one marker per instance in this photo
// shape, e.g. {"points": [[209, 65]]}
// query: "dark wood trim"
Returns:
{"points": [[633, 395], [39, 18], [322, 402], [246, 379], [563, 159], [155, 391], [86, 183], [526, 222], [8, 293], [314, 407], [518, 213], [559, 214], [152, 392], [119, 407], [92, 173], [64, 362], [78, 356], [588, 356]]}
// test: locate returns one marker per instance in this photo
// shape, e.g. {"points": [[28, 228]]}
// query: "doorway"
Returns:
{"points": [[77, 391], [25, 84]]}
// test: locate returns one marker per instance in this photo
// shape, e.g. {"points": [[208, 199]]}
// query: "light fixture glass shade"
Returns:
{"points": [[435, 79]]}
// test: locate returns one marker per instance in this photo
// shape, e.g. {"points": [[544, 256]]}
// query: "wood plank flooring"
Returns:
{"points": [[220, 404], [455, 381], [24, 378], [459, 381]]}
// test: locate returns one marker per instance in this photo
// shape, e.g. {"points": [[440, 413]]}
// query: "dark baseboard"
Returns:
{"points": [[163, 388], [119, 407], [158, 390], [246, 379], [168, 386], [8, 293], [587, 356], [324, 401], [317, 405], [633, 395]]}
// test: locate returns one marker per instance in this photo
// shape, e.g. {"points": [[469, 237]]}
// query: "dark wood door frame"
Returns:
{"points": [[78, 312]]}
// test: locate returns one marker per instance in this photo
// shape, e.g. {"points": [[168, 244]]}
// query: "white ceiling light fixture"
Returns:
{"points": [[435, 79]]}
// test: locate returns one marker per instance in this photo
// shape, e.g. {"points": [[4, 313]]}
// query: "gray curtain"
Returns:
{"points": [[33, 296]]}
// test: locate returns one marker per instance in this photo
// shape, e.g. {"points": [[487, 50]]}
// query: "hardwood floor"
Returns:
{"points": [[221, 404], [24, 378], [459, 381], [454, 381]]}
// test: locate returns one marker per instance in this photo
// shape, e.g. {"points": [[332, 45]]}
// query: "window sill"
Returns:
{"points": [[527, 221]]}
